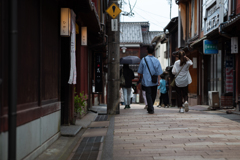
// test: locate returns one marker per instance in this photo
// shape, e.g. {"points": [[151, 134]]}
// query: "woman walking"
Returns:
{"points": [[183, 79], [128, 76]]}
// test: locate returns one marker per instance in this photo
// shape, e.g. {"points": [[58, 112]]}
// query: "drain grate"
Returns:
{"points": [[102, 118], [88, 148]]}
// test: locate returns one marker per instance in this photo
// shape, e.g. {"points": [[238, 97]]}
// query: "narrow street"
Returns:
{"points": [[169, 135]]}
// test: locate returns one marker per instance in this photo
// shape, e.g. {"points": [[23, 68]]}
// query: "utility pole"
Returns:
{"points": [[113, 66]]}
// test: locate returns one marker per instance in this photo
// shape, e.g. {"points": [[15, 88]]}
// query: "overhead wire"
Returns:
{"points": [[148, 20], [153, 13], [157, 19]]}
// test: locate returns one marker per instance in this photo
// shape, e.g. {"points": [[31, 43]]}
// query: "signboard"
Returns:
{"points": [[84, 36], [113, 11], [65, 26], [210, 47], [213, 16], [114, 25], [234, 44], [98, 73]]}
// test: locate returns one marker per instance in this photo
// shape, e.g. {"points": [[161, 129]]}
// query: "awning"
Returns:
{"points": [[86, 13], [231, 22], [198, 41]]}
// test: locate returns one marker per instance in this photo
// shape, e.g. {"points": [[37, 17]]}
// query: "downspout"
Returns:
{"points": [[234, 64], [12, 99], [101, 11], [233, 9], [224, 34]]}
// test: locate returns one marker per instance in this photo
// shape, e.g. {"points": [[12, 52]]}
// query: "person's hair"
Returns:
{"points": [[150, 49], [162, 76], [183, 59]]}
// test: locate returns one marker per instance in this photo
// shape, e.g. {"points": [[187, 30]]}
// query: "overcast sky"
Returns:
{"points": [[156, 12]]}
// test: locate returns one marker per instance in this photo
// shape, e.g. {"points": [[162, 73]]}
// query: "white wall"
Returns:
{"points": [[159, 54], [31, 135]]}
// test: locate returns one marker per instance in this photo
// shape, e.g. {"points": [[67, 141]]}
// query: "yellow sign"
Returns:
{"points": [[113, 10]]}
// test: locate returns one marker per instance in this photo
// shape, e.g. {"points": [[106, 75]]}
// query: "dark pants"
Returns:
{"points": [[182, 93], [151, 93], [164, 98]]}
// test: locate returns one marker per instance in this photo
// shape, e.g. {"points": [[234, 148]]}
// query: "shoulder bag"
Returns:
{"points": [[154, 77], [173, 84]]}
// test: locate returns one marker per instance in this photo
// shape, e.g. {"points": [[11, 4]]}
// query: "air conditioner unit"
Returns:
{"points": [[213, 99]]}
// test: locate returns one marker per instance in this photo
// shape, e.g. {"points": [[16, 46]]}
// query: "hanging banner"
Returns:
{"points": [[73, 70], [98, 73]]}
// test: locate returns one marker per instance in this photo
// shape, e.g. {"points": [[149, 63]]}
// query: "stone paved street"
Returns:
{"points": [[170, 135]]}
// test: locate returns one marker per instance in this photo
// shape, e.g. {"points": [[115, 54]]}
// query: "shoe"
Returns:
{"points": [[146, 107], [125, 107], [181, 110], [186, 106], [129, 107], [158, 106]]}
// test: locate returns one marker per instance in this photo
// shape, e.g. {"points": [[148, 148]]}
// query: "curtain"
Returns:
{"points": [[195, 17], [182, 8]]}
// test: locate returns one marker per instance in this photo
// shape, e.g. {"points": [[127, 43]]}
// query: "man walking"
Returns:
{"points": [[150, 63]]}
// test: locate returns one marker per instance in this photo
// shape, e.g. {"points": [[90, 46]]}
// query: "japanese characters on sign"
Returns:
{"points": [[98, 73], [114, 25], [234, 44], [210, 47], [65, 25], [213, 17], [84, 36]]}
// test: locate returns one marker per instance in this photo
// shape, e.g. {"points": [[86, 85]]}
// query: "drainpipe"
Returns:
{"points": [[234, 64], [222, 33], [12, 99], [234, 81]]}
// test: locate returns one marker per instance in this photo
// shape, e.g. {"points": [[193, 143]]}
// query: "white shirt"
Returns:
{"points": [[121, 95], [132, 90], [184, 77]]}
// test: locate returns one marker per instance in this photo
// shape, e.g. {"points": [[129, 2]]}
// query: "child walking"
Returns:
{"points": [[164, 93]]}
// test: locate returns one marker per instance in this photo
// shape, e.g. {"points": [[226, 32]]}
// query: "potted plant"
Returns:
{"points": [[79, 105]]}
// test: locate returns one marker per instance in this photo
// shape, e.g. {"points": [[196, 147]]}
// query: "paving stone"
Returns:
{"points": [[95, 132], [99, 124], [70, 130], [170, 135]]}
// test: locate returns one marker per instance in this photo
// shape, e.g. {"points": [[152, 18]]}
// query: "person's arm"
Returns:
{"points": [[174, 71], [140, 79], [159, 78], [189, 61]]}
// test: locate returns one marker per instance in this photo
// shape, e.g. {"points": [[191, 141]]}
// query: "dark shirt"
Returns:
{"points": [[128, 76]]}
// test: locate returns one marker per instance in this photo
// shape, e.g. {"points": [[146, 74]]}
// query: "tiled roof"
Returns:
{"points": [[148, 37], [131, 32]]}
